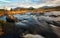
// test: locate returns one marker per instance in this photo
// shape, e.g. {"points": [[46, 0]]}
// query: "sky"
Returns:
{"points": [[28, 3]]}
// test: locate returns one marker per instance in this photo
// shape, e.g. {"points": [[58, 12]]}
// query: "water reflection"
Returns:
{"points": [[55, 15], [29, 15], [3, 18]]}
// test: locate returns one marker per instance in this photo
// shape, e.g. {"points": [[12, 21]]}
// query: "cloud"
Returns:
{"points": [[4, 1], [29, 3], [54, 3]]}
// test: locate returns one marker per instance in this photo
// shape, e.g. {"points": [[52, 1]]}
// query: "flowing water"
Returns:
{"points": [[28, 16], [32, 19]]}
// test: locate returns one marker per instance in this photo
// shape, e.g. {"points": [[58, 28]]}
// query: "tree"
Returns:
{"points": [[11, 9], [30, 8]]}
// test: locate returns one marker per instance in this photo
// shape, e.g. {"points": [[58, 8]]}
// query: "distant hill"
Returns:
{"points": [[22, 8], [57, 8], [46, 7]]}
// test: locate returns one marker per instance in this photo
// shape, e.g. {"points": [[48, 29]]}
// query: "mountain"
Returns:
{"points": [[55, 8], [46, 7], [19, 8]]}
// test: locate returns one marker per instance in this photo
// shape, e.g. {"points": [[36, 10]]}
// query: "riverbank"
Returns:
{"points": [[12, 12]]}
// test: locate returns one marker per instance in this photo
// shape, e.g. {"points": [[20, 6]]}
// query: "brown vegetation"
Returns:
{"points": [[25, 10]]}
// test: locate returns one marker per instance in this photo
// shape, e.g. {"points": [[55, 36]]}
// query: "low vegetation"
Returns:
{"points": [[31, 9]]}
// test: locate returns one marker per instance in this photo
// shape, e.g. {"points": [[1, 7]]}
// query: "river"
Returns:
{"points": [[32, 19], [28, 16]]}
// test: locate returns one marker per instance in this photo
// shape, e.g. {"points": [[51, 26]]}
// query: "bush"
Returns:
{"points": [[2, 22]]}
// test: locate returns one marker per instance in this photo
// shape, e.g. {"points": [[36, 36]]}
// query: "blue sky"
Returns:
{"points": [[28, 3]]}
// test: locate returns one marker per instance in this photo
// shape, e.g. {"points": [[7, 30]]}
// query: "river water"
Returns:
{"points": [[32, 19], [29, 16]]}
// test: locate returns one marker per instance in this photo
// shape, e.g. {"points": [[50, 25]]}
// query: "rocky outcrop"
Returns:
{"points": [[11, 18]]}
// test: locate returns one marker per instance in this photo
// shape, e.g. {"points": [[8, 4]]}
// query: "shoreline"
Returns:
{"points": [[21, 12]]}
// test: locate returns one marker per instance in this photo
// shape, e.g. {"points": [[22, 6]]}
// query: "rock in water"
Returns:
{"points": [[33, 36], [10, 18]]}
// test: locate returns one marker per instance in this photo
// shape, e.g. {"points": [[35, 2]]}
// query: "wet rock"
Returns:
{"points": [[33, 36], [11, 18]]}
